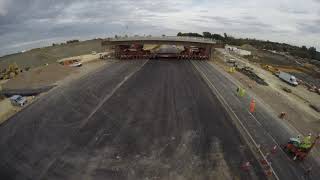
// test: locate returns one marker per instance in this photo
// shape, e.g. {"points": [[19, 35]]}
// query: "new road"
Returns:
{"points": [[135, 120]]}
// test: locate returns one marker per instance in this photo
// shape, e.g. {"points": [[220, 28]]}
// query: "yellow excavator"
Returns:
{"points": [[270, 68], [10, 72]]}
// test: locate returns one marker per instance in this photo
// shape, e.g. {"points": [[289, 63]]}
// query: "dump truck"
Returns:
{"points": [[288, 78], [271, 69]]}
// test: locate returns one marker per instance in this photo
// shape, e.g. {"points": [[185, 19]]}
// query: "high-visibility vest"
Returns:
{"points": [[306, 143], [241, 91], [232, 69]]}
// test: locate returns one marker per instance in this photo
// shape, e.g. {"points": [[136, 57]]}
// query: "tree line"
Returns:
{"points": [[302, 52]]}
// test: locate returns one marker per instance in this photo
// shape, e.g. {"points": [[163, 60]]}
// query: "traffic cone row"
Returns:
{"points": [[266, 163], [266, 166]]}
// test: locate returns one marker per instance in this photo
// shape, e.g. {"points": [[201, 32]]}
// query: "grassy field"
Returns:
{"points": [[40, 56]]}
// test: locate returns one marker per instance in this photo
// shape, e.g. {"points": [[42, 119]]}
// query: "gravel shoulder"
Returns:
{"points": [[300, 116], [41, 77]]}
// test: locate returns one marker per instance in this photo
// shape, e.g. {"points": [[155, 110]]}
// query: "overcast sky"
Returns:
{"points": [[31, 23]]}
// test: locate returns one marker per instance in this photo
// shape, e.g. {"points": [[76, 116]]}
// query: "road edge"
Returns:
{"points": [[253, 146]]}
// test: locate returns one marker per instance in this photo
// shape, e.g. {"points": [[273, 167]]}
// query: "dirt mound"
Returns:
{"points": [[253, 76], [40, 56], [248, 47], [39, 77]]}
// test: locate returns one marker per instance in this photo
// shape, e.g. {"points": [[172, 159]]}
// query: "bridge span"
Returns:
{"points": [[134, 47]]}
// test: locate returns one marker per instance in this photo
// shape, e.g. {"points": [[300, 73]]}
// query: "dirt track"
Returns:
{"points": [[163, 122]]}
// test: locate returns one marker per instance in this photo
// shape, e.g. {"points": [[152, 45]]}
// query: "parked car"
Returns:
{"points": [[76, 64], [18, 100], [70, 62]]}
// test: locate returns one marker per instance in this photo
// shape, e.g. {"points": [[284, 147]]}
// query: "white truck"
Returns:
{"points": [[288, 78]]}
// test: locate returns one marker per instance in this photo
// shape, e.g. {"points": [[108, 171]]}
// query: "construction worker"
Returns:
{"points": [[282, 115], [306, 142], [241, 92]]}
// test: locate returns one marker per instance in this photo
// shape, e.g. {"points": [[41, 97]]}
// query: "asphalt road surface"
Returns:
{"points": [[131, 120], [263, 124]]}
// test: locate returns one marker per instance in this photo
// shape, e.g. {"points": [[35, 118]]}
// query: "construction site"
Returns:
{"points": [[159, 108]]}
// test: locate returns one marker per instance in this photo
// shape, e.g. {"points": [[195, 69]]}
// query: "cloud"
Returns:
{"points": [[312, 27], [3, 7], [276, 20]]}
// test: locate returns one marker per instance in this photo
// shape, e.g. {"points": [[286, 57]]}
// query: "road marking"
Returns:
{"points": [[108, 96], [226, 105], [92, 113], [260, 101], [291, 131], [294, 129]]}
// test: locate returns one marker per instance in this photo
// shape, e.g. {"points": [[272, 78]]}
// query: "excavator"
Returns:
{"points": [[10, 72], [299, 149]]}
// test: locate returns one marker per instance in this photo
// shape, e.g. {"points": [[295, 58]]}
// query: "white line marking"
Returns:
{"points": [[111, 94], [224, 103], [93, 112]]}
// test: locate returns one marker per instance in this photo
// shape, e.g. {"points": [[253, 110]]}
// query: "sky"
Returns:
{"points": [[26, 24]]}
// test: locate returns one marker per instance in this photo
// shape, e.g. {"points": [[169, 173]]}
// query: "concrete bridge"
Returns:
{"points": [[132, 47]]}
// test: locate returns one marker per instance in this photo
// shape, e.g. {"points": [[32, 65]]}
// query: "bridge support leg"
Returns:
{"points": [[211, 53]]}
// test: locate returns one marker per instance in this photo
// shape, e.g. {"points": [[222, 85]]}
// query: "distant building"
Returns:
{"points": [[230, 48], [241, 52]]}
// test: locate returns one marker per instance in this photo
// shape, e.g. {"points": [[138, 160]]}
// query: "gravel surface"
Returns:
{"points": [[39, 77]]}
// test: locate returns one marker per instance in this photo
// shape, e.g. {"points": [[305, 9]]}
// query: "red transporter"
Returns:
{"points": [[194, 53], [134, 51], [294, 149]]}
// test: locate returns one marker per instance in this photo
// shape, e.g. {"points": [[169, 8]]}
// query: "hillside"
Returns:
{"points": [[40, 56]]}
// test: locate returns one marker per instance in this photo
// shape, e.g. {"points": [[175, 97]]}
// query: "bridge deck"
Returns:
{"points": [[163, 40]]}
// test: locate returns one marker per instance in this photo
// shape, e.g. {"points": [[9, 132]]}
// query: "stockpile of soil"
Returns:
{"points": [[248, 47], [40, 56], [252, 76], [39, 77], [307, 78]]}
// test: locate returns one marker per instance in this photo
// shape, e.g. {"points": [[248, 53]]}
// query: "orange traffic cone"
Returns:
{"points": [[264, 162], [252, 105], [268, 172], [274, 149]]}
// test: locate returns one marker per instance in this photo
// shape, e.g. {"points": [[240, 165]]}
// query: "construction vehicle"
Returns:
{"points": [[272, 69], [288, 78], [294, 148]]}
